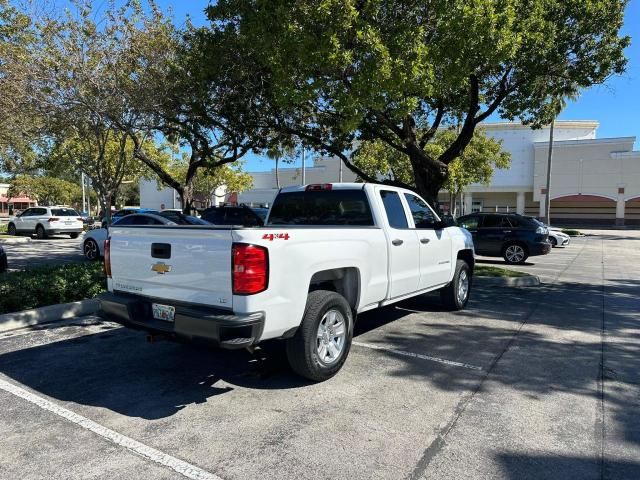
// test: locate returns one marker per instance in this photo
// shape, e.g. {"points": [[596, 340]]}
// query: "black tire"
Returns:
{"points": [[515, 253], [451, 296], [90, 249], [302, 348], [554, 242], [74, 235], [40, 233], [11, 229]]}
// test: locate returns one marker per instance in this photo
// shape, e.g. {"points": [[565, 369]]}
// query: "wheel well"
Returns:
{"points": [[467, 256], [345, 281]]}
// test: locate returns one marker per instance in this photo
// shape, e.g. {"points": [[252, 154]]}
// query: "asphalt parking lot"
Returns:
{"points": [[526, 383], [52, 251]]}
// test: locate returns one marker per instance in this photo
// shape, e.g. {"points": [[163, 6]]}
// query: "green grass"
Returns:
{"points": [[571, 232], [3, 228], [489, 271], [42, 286]]}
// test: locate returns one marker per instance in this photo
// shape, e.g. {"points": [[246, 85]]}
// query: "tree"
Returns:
{"points": [[107, 157], [45, 190], [475, 165], [20, 124], [332, 72]]}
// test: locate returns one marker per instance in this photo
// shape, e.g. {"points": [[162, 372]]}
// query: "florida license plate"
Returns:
{"points": [[163, 312]]}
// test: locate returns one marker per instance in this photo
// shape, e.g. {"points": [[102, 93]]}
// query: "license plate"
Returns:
{"points": [[163, 312], [68, 223]]}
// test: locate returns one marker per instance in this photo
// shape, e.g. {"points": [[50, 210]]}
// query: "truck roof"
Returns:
{"points": [[327, 186]]}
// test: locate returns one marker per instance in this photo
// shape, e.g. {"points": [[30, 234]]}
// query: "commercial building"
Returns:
{"points": [[11, 206], [594, 180]]}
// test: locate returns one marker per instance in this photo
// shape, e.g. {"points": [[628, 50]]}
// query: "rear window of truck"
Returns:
{"points": [[322, 208]]}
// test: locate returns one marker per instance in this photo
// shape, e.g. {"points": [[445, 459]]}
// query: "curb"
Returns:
{"points": [[528, 281], [12, 241], [52, 313]]}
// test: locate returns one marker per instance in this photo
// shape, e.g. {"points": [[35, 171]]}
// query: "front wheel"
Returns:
{"points": [[554, 242], [456, 295], [321, 345], [11, 229], [515, 254]]}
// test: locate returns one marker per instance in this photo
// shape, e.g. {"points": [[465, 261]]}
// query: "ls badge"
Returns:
{"points": [[161, 268]]}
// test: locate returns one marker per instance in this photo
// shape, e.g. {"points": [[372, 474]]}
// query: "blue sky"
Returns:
{"points": [[616, 104]]}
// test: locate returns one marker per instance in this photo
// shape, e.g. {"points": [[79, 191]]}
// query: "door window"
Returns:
{"points": [[470, 222], [494, 221], [423, 216], [393, 208], [27, 213]]}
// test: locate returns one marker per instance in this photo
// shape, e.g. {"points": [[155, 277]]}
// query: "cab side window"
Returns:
{"points": [[423, 216], [393, 208]]}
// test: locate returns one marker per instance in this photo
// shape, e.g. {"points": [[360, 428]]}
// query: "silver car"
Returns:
{"points": [[45, 221]]}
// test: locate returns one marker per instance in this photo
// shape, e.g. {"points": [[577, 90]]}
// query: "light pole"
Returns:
{"points": [[83, 196], [547, 199]]}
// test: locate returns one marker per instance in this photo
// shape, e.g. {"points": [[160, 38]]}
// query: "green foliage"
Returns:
{"points": [[476, 164], [329, 72], [42, 286], [3, 228], [46, 190], [571, 232], [489, 271]]}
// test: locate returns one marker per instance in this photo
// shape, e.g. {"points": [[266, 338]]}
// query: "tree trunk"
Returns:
{"points": [[186, 196], [429, 181]]}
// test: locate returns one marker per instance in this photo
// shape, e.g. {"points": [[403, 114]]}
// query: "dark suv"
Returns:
{"points": [[511, 236]]}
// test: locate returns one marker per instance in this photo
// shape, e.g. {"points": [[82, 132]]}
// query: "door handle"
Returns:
{"points": [[425, 240], [397, 242]]}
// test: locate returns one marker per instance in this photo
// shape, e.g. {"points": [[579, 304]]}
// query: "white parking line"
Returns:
{"points": [[179, 466], [418, 355]]}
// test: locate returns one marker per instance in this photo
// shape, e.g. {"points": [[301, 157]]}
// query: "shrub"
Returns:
{"points": [[50, 285], [571, 232], [3, 228]]}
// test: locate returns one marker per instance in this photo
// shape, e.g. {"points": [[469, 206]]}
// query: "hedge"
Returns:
{"points": [[50, 285]]}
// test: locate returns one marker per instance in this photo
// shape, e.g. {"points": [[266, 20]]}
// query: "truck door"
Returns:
{"points": [[403, 247], [435, 244]]}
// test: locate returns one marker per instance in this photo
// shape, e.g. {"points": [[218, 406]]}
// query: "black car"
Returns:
{"points": [[233, 215], [511, 236], [182, 219], [3, 260]]}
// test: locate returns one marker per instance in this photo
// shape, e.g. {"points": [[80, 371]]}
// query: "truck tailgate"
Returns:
{"points": [[183, 264]]}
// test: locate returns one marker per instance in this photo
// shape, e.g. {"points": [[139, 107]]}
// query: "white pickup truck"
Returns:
{"points": [[326, 253]]}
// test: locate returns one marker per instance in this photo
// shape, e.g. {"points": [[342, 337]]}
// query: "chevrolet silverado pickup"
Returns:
{"points": [[325, 254]]}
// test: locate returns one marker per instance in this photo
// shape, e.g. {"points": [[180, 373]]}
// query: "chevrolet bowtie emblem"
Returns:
{"points": [[161, 268]]}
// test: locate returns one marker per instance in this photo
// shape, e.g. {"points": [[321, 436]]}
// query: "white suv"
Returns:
{"points": [[45, 221]]}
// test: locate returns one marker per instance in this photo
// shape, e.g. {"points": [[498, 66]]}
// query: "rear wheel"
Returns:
{"points": [[40, 233], [456, 295], [11, 229], [321, 345], [515, 254], [91, 250]]}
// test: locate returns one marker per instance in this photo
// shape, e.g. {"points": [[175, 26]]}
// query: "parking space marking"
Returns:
{"points": [[418, 355], [183, 468]]}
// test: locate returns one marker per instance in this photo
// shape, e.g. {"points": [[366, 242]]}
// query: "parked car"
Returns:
{"points": [[326, 253], [511, 236], [181, 219], [556, 236], [45, 221], [234, 215], [3, 260], [93, 244], [124, 212]]}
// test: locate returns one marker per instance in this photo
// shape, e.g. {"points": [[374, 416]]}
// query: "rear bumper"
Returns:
{"points": [[56, 231], [193, 322], [539, 248]]}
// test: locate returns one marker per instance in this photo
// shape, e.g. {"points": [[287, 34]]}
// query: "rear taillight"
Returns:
{"points": [[79, 219], [107, 257], [53, 219], [250, 269]]}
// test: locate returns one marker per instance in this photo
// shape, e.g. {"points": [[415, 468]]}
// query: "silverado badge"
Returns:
{"points": [[161, 268]]}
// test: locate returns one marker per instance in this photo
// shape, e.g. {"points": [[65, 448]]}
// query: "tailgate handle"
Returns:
{"points": [[161, 250]]}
